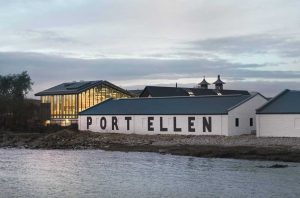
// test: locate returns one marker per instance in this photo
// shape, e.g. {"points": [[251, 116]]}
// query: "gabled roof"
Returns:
{"points": [[249, 98], [198, 105], [286, 102], [156, 91], [77, 87]]}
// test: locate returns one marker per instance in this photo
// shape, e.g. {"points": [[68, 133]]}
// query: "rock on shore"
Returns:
{"points": [[241, 147]]}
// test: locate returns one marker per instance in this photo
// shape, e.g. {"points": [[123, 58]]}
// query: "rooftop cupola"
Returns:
{"points": [[219, 83], [204, 84]]}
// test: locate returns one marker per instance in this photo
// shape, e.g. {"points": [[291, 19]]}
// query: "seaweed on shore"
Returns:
{"points": [[275, 166]]}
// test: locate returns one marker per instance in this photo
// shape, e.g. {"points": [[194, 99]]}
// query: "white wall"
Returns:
{"points": [[221, 124], [139, 124], [278, 125], [244, 112]]}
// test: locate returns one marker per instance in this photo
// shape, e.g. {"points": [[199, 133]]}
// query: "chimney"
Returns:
{"points": [[176, 84]]}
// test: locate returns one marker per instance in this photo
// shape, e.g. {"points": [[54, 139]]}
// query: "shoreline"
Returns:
{"points": [[237, 147]]}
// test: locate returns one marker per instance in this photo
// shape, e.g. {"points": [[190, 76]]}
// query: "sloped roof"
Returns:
{"points": [[77, 87], [204, 82], [156, 91], [287, 102], [219, 81], [201, 92], [198, 105], [229, 92]]}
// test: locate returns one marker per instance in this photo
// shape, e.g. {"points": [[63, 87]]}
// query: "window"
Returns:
{"points": [[251, 121], [236, 122]]}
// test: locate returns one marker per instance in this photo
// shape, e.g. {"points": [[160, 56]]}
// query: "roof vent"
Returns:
{"points": [[204, 84], [219, 83]]}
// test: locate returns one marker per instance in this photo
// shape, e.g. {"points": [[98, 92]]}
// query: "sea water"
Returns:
{"points": [[96, 173]]}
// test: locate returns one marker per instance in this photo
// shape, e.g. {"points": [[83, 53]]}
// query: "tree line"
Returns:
{"points": [[15, 110]]}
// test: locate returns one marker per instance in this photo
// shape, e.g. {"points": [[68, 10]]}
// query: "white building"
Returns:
{"points": [[198, 115], [280, 117]]}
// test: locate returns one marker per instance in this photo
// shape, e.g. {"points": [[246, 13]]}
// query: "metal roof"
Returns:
{"points": [[156, 91], [201, 92], [198, 105], [287, 102], [229, 92], [77, 87]]}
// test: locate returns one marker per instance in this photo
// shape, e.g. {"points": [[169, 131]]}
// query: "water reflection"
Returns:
{"points": [[94, 173]]}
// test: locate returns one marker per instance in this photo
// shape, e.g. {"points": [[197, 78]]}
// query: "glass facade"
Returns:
{"points": [[67, 106]]}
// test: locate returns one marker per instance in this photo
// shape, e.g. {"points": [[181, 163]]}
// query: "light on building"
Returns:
{"points": [[47, 122]]}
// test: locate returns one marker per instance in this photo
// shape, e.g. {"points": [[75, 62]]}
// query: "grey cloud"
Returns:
{"points": [[288, 45], [115, 68], [268, 88], [154, 30], [46, 36], [47, 70]]}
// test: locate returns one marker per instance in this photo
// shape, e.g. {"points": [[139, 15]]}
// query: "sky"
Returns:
{"points": [[254, 45]]}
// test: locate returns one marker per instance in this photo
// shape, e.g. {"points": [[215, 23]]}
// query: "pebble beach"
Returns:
{"points": [[239, 147]]}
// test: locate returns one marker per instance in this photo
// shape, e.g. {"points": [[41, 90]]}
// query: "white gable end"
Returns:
{"points": [[242, 119]]}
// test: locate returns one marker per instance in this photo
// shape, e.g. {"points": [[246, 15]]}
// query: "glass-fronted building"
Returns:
{"points": [[62, 103]]}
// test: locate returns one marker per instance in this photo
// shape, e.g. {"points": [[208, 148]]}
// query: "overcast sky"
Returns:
{"points": [[254, 45]]}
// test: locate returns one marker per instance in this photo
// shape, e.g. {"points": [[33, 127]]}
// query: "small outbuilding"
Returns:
{"points": [[280, 117], [198, 115]]}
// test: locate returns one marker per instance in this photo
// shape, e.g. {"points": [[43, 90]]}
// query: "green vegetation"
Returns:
{"points": [[15, 111]]}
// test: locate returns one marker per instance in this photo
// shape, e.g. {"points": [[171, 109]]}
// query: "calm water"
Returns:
{"points": [[94, 173]]}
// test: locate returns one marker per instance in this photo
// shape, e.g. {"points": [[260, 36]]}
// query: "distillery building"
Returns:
{"points": [[280, 117], [62, 103], [202, 89], [198, 115]]}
